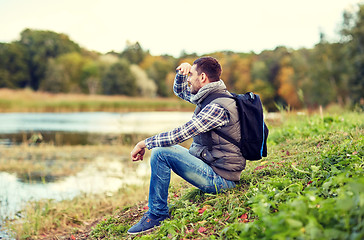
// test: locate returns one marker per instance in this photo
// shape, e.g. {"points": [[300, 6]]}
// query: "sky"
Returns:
{"points": [[170, 26]]}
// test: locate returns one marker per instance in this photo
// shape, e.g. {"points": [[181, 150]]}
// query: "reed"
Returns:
{"points": [[30, 101]]}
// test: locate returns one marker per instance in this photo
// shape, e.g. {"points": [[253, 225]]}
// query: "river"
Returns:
{"points": [[95, 122]]}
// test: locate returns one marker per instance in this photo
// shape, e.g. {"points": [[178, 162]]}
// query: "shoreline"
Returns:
{"points": [[30, 101], [31, 163]]}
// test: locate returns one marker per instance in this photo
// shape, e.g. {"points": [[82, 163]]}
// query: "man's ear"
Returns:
{"points": [[204, 78]]}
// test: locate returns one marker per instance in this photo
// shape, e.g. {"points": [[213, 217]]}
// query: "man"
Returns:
{"points": [[212, 163]]}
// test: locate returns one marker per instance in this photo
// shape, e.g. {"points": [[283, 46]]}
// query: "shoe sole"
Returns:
{"points": [[145, 231]]}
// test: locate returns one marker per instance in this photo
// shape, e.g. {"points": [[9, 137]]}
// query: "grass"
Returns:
{"points": [[30, 101], [48, 219], [309, 187]]}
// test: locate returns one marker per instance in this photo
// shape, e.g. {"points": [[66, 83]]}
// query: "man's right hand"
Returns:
{"points": [[138, 152], [184, 68]]}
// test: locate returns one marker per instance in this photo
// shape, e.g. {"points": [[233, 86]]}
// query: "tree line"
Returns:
{"points": [[330, 72]]}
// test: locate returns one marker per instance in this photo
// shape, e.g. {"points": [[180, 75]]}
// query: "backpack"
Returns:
{"points": [[254, 131]]}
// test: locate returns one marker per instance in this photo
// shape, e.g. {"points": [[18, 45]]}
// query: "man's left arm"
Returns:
{"points": [[210, 117]]}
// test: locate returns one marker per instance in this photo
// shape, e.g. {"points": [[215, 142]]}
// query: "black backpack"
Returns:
{"points": [[254, 131]]}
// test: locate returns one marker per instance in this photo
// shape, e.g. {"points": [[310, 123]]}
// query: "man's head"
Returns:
{"points": [[203, 71], [210, 66]]}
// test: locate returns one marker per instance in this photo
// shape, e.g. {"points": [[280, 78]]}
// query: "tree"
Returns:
{"points": [[91, 77], [14, 72], [119, 80], [241, 76], [146, 86], [271, 63], [353, 36], [261, 85], [134, 53], [56, 78], [300, 61], [285, 81], [72, 63], [321, 87], [158, 69], [41, 46]]}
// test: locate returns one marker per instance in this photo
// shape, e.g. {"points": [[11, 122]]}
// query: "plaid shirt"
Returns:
{"points": [[210, 117]]}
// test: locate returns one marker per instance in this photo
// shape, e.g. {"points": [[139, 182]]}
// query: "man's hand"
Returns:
{"points": [[138, 151], [184, 68]]}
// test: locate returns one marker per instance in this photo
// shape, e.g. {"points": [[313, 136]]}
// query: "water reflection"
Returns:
{"points": [[100, 176]]}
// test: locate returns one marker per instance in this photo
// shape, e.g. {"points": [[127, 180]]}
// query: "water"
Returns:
{"points": [[95, 122], [101, 176]]}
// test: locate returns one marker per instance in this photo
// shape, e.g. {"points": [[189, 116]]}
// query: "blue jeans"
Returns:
{"points": [[187, 166]]}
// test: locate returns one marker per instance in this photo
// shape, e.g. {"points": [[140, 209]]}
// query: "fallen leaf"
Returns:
{"points": [[204, 208], [202, 229], [244, 216], [201, 210], [190, 230], [260, 167]]}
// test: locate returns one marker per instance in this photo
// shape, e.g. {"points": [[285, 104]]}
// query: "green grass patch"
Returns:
{"points": [[311, 186]]}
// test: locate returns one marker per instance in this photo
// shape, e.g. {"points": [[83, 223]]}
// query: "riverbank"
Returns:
{"points": [[56, 167], [62, 189], [309, 187], [31, 101], [315, 162]]}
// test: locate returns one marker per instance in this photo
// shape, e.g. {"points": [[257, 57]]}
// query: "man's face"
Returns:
{"points": [[194, 80]]}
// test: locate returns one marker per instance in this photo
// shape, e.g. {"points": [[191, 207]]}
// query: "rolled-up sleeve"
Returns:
{"points": [[180, 87]]}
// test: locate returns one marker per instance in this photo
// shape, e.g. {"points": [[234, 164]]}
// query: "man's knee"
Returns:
{"points": [[161, 153], [157, 154], [157, 151]]}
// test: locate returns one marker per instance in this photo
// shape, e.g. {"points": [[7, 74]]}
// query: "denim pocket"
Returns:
{"points": [[206, 156], [196, 151]]}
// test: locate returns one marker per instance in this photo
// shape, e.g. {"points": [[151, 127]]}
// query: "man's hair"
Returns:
{"points": [[210, 66]]}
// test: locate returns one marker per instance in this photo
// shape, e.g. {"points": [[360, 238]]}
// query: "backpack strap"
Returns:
{"points": [[211, 97]]}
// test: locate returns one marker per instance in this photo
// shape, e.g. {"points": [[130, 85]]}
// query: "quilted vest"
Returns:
{"points": [[224, 157]]}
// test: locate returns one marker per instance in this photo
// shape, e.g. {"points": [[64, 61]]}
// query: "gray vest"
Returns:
{"points": [[225, 158]]}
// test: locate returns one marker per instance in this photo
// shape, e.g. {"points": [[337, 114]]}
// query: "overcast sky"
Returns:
{"points": [[169, 26]]}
